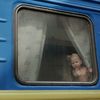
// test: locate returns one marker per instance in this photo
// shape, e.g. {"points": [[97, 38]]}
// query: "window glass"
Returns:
{"points": [[54, 48]]}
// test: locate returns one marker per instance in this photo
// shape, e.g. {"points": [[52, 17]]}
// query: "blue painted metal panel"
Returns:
{"points": [[7, 7]]}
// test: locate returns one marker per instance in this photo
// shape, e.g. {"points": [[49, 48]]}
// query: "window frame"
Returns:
{"points": [[62, 13]]}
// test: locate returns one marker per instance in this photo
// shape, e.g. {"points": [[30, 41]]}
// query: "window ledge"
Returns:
{"points": [[50, 94]]}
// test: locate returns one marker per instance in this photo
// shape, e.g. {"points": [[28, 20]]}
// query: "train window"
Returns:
{"points": [[54, 48]]}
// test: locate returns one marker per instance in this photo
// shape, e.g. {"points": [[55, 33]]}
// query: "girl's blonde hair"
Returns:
{"points": [[70, 57], [75, 55]]}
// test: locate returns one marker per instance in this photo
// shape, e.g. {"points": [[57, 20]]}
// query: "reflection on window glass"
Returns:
{"points": [[53, 48]]}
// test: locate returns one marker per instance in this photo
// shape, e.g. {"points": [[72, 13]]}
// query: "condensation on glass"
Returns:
{"points": [[46, 43]]}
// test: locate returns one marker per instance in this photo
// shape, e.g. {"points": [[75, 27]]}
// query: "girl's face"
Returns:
{"points": [[76, 62]]}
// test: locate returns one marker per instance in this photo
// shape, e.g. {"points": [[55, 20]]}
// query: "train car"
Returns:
{"points": [[49, 49]]}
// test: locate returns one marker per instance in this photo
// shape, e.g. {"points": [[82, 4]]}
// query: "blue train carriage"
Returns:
{"points": [[49, 49]]}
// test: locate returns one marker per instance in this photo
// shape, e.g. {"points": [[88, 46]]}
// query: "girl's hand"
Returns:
{"points": [[78, 72]]}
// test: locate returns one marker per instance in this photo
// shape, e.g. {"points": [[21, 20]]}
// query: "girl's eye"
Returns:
{"points": [[72, 63]]}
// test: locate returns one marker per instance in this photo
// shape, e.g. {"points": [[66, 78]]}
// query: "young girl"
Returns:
{"points": [[80, 72]]}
